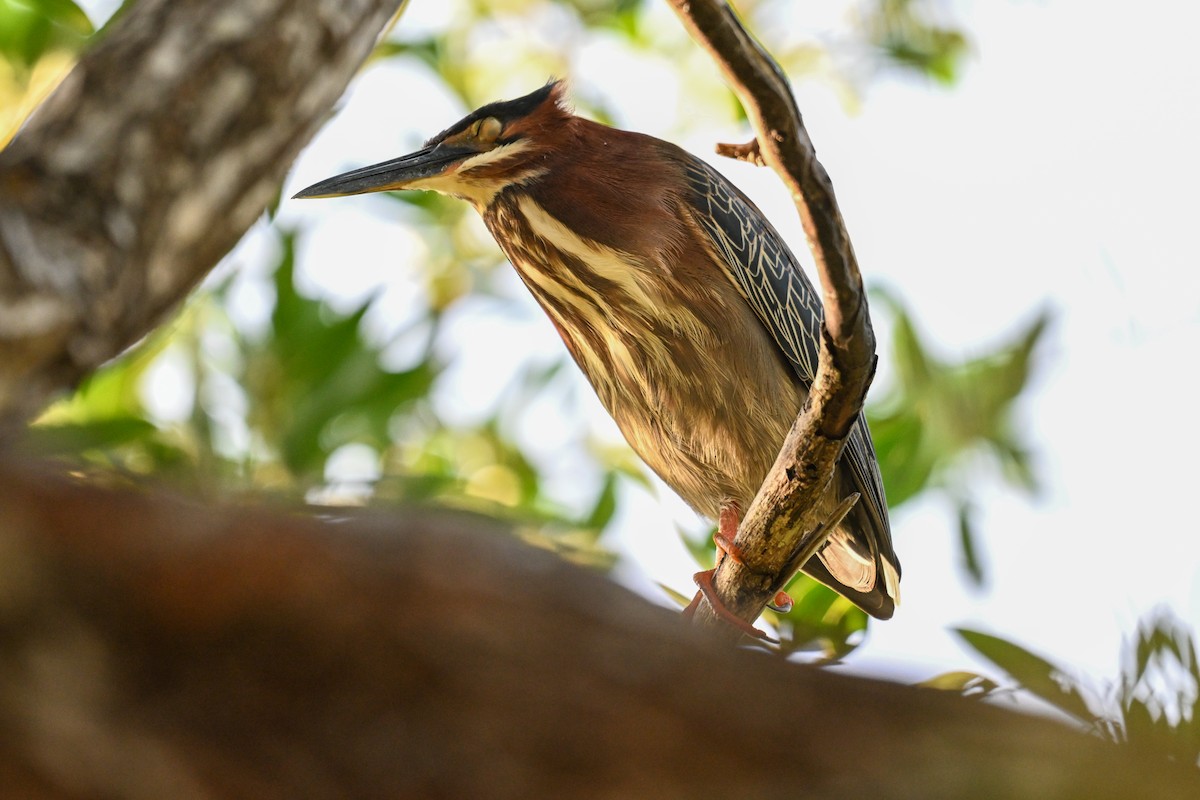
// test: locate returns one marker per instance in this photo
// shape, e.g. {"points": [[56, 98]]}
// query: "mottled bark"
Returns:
{"points": [[783, 516], [151, 160], [154, 647]]}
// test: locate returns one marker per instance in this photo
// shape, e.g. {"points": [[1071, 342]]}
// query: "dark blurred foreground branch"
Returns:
{"points": [[154, 156], [784, 511], [155, 647]]}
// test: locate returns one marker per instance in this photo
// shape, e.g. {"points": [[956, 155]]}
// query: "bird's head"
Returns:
{"points": [[493, 147]]}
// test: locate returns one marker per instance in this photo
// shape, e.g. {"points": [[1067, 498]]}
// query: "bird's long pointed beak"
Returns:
{"points": [[385, 176]]}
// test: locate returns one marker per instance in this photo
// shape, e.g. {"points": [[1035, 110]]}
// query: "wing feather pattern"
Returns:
{"points": [[758, 262]]}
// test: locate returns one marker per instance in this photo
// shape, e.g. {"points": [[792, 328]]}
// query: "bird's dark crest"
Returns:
{"points": [[508, 110]]}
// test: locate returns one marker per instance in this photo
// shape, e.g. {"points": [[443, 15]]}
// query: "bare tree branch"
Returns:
{"points": [[153, 647], [784, 511], [151, 160]]}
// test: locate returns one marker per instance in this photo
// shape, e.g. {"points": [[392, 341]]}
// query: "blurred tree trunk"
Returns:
{"points": [[154, 647], [149, 162]]}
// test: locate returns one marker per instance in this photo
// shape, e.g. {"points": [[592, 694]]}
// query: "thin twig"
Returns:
{"points": [[747, 152], [783, 515]]}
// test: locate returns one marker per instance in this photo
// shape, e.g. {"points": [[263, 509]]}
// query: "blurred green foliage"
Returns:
{"points": [[1154, 701], [285, 406], [31, 28], [907, 34], [938, 417], [316, 385], [39, 40]]}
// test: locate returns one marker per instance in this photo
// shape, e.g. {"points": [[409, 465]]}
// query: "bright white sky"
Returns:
{"points": [[1061, 171]]}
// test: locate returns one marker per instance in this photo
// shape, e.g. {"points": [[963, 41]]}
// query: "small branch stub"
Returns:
{"points": [[748, 152]]}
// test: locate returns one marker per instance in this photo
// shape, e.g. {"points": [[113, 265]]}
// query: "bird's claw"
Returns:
{"points": [[781, 603], [708, 591]]}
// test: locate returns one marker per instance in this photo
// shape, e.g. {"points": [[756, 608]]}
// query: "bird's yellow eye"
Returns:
{"points": [[487, 130]]}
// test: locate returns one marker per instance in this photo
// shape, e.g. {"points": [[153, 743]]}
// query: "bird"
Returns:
{"points": [[675, 296]]}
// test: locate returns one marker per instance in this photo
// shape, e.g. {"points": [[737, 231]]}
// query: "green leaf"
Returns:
{"points": [[820, 619], [1140, 724], [966, 538], [97, 434], [930, 428], [968, 684], [1034, 673], [704, 549], [605, 505], [915, 368], [904, 462], [900, 30], [1159, 690], [427, 51], [682, 600], [30, 28], [63, 13], [316, 384]]}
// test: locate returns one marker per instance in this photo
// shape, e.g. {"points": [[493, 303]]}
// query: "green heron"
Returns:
{"points": [[676, 297]]}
